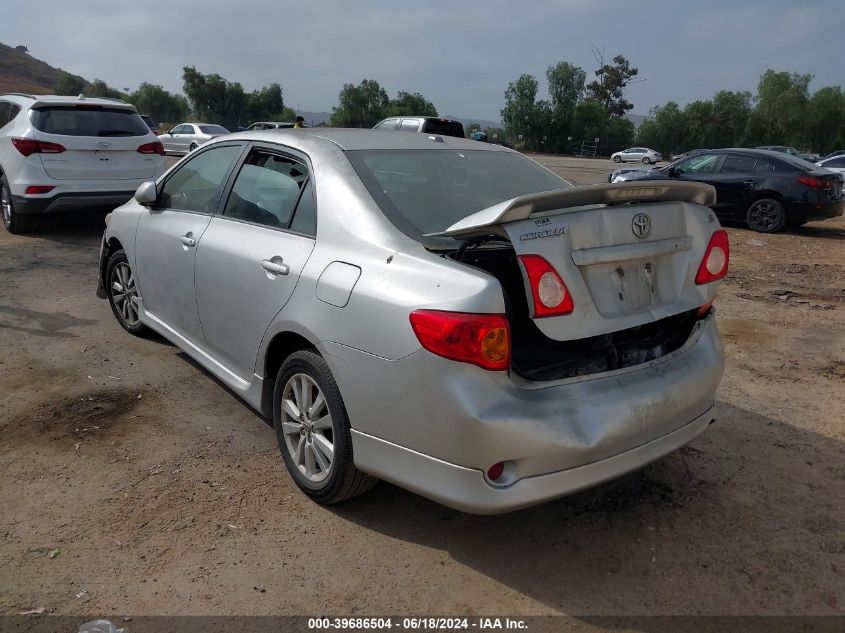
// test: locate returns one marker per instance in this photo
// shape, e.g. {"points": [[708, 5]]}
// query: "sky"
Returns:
{"points": [[459, 55]]}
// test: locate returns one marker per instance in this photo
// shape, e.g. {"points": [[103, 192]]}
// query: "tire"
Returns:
{"points": [[13, 221], [303, 440], [617, 159], [646, 160], [192, 147], [766, 215], [122, 306]]}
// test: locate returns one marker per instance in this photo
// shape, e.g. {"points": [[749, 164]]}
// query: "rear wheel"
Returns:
{"points": [[193, 147], [122, 292], [646, 160], [617, 159], [12, 220], [313, 431], [766, 215]]}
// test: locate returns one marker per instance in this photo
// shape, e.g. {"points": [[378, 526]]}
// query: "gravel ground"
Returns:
{"points": [[133, 483]]}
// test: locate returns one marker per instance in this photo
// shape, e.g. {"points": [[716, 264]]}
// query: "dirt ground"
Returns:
{"points": [[133, 483]]}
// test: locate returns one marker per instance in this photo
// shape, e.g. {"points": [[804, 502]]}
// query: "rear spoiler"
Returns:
{"points": [[559, 200]]}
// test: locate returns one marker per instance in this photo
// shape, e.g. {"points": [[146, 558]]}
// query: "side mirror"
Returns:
{"points": [[146, 194]]}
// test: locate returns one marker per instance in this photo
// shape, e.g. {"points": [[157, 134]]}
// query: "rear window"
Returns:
{"points": [[88, 121], [427, 191], [445, 128], [213, 129]]}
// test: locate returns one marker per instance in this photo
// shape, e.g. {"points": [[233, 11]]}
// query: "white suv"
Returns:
{"points": [[65, 153]]}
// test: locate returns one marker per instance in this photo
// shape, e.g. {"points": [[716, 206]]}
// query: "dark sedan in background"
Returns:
{"points": [[767, 190]]}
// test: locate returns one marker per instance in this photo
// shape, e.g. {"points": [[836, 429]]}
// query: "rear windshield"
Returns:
{"points": [[88, 121], [427, 191], [213, 129], [444, 128]]}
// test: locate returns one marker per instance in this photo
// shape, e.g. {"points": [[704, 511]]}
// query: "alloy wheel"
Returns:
{"points": [[764, 215], [307, 427], [124, 293]]}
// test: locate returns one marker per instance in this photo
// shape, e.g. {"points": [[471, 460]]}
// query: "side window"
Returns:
{"points": [[14, 112], [305, 217], [195, 186], [4, 112], [839, 161], [266, 189], [387, 124], [699, 164], [183, 129], [410, 125], [764, 167], [738, 164]]}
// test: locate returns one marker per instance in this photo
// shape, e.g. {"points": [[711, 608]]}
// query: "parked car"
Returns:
{"points": [[270, 125], [637, 155], [766, 190], [150, 123], [70, 153], [187, 137], [423, 124], [785, 149], [834, 163], [460, 322], [839, 152]]}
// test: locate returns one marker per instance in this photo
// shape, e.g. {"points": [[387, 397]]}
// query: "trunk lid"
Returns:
{"points": [[100, 142], [628, 253]]}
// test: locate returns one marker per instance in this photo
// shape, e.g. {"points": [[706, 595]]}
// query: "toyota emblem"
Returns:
{"points": [[641, 225]]}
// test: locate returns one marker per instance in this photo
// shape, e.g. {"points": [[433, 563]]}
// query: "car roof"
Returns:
{"points": [[362, 139], [71, 100]]}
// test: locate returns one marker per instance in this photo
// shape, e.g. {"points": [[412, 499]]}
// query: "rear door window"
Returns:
{"points": [[735, 164], [4, 112], [88, 121]]}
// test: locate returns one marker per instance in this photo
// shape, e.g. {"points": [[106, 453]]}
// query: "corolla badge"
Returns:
{"points": [[641, 225], [103, 145]]}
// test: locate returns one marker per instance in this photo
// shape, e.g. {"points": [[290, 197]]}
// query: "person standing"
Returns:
{"points": [[300, 122]]}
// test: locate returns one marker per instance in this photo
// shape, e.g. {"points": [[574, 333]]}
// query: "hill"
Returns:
{"points": [[20, 72]]}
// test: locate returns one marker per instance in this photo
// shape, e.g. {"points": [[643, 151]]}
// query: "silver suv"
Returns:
{"points": [[68, 153]]}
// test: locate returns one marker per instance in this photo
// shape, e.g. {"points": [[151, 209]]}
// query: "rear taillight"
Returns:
{"points": [[812, 181], [152, 148], [715, 263], [550, 294], [479, 339], [37, 189], [28, 146]]}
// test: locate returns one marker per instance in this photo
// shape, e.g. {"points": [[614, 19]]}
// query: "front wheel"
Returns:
{"points": [[766, 215], [193, 147], [12, 220], [617, 159], [122, 293], [313, 431]]}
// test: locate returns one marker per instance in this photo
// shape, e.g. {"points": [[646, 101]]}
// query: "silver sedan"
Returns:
{"points": [[443, 314], [186, 137]]}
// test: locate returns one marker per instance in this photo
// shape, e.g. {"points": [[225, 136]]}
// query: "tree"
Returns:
{"points": [[70, 85], [566, 89], [521, 114], [100, 88], [590, 122], [780, 115], [159, 104], [611, 81], [262, 104], [410, 104], [730, 118], [699, 125], [665, 131], [363, 105], [826, 120]]}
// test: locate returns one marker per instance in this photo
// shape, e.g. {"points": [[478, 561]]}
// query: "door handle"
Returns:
{"points": [[275, 265], [188, 239]]}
